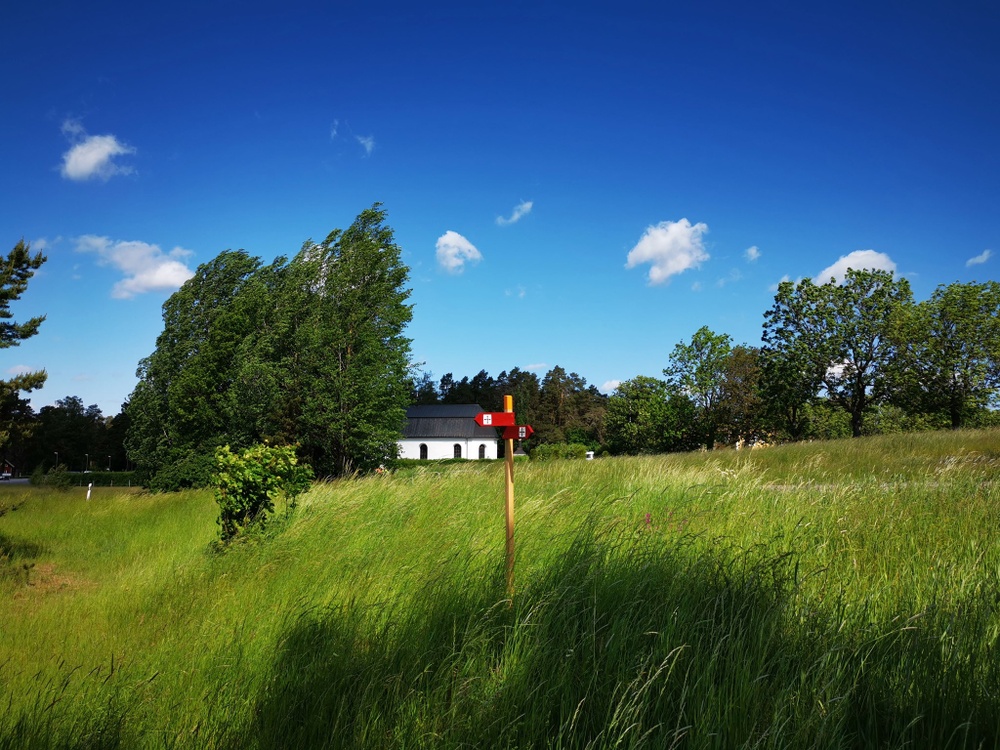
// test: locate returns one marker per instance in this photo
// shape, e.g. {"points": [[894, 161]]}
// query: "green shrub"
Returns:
{"points": [[191, 470], [549, 451], [887, 419], [58, 478], [247, 484]]}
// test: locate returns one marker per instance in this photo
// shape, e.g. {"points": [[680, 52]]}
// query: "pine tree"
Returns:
{"points": [[15, 271]]}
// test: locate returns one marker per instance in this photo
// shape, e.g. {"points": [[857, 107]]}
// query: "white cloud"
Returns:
{"points": [[979, 259], [858, 260], [671, 247], [92, 155], [454, 251], [537, 366], [367, 143], [333, 129], [783, 279], [751, 253], [734, 275], [146, 267], [520, 292], [610, 386], [19, 370], [520, 210], [696, 286]]}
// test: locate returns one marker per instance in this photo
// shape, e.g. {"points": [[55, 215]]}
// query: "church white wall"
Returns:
{"points": [[438, 448]]}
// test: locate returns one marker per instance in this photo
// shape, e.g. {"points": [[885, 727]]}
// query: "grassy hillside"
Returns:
{"points": [[842, 594]]}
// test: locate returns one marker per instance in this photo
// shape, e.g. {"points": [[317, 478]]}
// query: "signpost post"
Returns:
{"points": [[508, 407], [512, 431]]}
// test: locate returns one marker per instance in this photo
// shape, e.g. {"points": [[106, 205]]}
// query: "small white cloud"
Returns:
{"points": [[782, 280], [696, 286], [454, 251], [520, 292], [751, 254], [92, 156], [333, 129], [537, 366], [610, 386], [146, 267], [979, 259], [19, 370], [520, 210], [858, 260], [734, 275], [44, 243], [367, 143], [670, 247]]}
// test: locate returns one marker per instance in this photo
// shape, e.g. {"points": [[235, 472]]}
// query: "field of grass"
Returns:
{"points": [[830, 595]]}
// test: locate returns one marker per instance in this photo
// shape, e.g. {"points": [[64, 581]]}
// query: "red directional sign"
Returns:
{"points": [[495, 419], [518, 432]]}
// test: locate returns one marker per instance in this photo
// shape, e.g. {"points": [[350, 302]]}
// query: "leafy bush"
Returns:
{"points": [[549, 451], [247, 484], [826, 421], [58, 477], [190, 470], [887, 419]]}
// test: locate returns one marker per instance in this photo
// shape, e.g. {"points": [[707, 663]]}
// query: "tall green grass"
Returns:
{"points": [[842, 594]]}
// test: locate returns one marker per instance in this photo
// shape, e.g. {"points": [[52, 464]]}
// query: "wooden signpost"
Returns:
{"points": [[512, 431], [508, 407]]}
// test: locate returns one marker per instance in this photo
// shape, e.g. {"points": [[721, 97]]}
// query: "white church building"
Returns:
{"points": [[440, 431]]}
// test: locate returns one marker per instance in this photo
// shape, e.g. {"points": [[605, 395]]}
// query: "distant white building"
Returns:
{"points": [[446, 431]]}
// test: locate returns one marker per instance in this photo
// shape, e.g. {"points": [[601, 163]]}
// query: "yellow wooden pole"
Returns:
{"points": [[508, 406]]}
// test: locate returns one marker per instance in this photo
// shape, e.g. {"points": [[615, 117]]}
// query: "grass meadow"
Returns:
{"points": [[829, 595]]}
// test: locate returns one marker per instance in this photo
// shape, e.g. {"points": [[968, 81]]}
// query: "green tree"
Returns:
{"points": [[741, 404], [423, 391], [342, 351], [16, 269], [568, 410], [525, 388], [182, 407], [645, 415], [457, 392], [838, 336], [795, 356], [949, 351], [698, 369], [73, 431], [788, 385]]}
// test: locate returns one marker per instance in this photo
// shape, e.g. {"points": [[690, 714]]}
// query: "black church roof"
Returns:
{"points": [[446, 421]]}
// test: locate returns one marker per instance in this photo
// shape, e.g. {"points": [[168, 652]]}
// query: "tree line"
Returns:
{"points": [[71, 435], [310, 351], [836, 360]]}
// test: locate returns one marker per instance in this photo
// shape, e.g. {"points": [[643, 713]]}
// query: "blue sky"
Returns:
{"points": [[580, 184]]}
